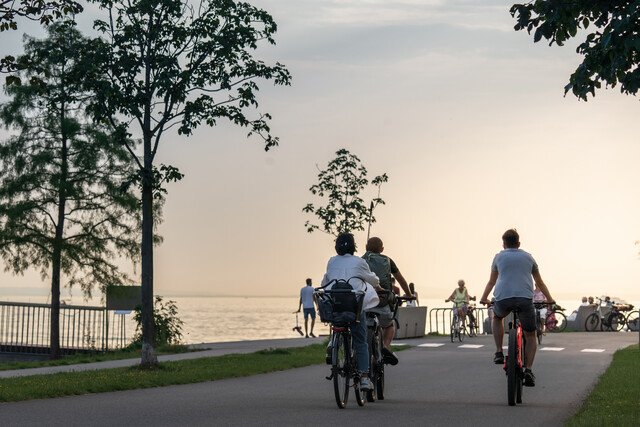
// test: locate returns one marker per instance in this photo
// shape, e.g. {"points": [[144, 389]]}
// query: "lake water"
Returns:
{"points": [[223, 319]]}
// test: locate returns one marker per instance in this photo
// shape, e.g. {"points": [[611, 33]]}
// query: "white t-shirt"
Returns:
{"points": [[306, 295], [355, 268]]}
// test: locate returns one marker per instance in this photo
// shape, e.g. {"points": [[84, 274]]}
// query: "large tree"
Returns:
{"points": [[341, 183], [62, 210], [178, 63], [611, 48], [43, 11]]}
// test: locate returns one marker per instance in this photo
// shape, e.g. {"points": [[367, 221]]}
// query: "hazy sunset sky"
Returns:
{"points": [[465, 115]]}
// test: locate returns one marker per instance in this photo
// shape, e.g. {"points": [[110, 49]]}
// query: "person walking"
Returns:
{"points": [[308, 304]]}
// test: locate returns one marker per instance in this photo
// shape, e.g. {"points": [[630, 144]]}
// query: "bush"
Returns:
{"points": [[167, 325]]}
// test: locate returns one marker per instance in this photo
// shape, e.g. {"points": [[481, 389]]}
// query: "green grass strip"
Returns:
{"points": [[168, 373], [615, 400]]}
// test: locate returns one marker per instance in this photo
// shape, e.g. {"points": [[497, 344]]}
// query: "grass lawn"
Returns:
{"points": [[615, 400], [168, 373]]}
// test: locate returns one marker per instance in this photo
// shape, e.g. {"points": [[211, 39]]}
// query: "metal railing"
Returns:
{"points": [[440, 319], [26, 328]]}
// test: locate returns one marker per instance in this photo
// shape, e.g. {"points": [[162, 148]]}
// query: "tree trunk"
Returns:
{"points": [[149, 357]]}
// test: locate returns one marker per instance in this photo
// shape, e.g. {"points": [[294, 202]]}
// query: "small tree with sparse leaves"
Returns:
{"points": [[341, 183]]}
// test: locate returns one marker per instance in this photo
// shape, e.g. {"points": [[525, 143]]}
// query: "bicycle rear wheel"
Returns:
{"points": [[512, 367], [374, 355], [592, 322], [520, 376], [617, 321], [632, 321], [341, 369]]}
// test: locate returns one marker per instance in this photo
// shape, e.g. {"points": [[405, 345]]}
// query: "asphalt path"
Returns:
{"points": [[432, 385]]}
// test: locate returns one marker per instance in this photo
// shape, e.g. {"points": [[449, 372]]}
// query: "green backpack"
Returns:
{"points": [[381, 267]]}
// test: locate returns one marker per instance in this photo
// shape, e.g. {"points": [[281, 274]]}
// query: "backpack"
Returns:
{"points": [[380, 265]]}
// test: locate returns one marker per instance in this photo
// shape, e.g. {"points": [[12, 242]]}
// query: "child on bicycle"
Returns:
{"points": [[513, 273]]}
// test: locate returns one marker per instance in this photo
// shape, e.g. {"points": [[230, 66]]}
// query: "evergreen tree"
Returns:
{"points": [[62, 210]]}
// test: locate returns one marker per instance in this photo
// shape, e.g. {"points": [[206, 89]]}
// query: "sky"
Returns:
{"points": [[466, 116]]}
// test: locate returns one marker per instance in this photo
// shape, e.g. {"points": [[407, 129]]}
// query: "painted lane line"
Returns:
{"points": [[552, 348], [593, 350], [471, 346], [399, 343], [430, 345]]}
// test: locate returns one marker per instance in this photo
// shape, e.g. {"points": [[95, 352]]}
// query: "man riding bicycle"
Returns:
{"points": [[384, 267], [347, 266], [513, 273]]}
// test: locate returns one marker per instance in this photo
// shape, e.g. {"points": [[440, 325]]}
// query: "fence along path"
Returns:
{"points": [[25, 328]]}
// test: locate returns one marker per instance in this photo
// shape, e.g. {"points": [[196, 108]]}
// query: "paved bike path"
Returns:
{"points": [[435, 386]]}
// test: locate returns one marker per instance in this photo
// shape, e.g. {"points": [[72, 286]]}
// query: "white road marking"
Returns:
{"points": [[471, 346], [431, 345], [399, 343], [552, 348], [593, 350]]}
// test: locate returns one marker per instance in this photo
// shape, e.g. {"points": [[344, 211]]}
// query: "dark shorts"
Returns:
{"points": [[527, 311], [309, 311]]}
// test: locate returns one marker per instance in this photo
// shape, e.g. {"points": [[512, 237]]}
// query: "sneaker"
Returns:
{"points": [[329, 352], [389, 358], [529, 378], [365, 384], [498, 359]]}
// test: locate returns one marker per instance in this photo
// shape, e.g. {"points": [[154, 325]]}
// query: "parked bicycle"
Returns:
{"points": [[592, 322], [632, 321], [615, 320], [342, 308]]}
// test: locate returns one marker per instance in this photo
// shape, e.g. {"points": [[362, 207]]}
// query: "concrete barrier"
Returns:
{"points": [[412, 322]]}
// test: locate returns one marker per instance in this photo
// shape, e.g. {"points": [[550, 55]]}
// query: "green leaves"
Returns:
{"points": [[341, 183], [611, 52]]}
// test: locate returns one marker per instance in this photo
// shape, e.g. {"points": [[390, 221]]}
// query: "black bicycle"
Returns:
{"points": [[376, 362], [341, 306], [472, 322]]}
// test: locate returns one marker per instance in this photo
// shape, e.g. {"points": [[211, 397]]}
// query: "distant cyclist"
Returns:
{"points": [[513, 273], [384, 268], [347, 266], [460, 298]]}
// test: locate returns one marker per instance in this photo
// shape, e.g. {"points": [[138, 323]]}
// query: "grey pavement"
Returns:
{"points": [[444, 383]]}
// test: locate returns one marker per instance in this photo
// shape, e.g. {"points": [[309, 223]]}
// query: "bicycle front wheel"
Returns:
{"points": [[592, 322], [539, 329], [632, 321], [462, 331], [557, 322], [453, 332], [340, 368], [512, 367]]}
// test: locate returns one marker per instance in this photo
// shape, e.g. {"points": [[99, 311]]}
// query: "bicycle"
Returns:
{"points": [[615, 319], [472, 324], [556, 321], [593, 320], [375, 343], [632, 321], [539, 326], [457, 329], [342, 308]]}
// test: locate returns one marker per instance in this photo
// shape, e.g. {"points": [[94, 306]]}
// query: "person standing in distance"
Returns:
{"points": [[513, 273], [308, 304], [384, 268]]}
